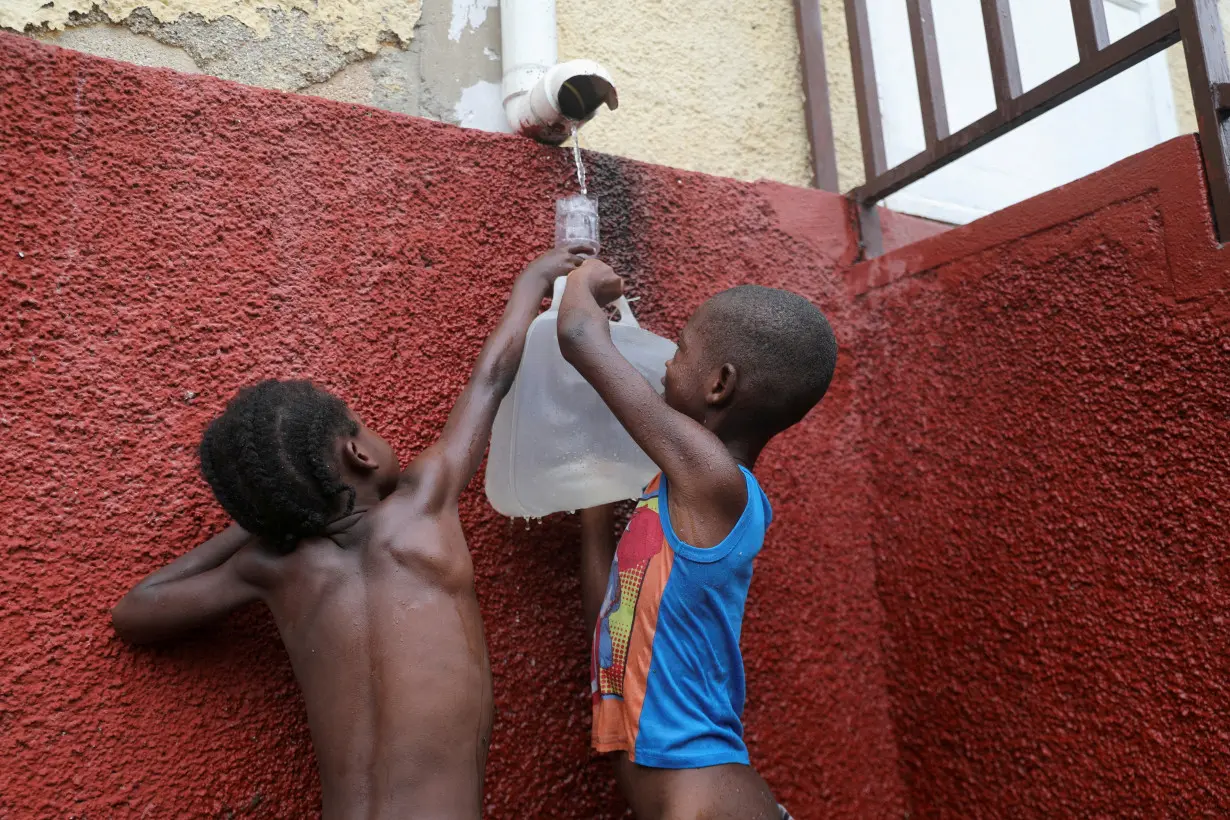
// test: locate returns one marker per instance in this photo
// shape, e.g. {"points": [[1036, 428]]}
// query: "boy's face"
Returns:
{"points": [[686, 371]]}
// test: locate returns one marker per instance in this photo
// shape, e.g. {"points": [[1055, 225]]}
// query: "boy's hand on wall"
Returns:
{"points": [[605, 284], [553, 264]]}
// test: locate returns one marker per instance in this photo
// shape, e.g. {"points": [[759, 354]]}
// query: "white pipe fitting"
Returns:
{"points": [[544, 100]]}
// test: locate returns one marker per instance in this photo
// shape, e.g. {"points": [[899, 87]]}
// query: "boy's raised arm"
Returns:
{"points": [[445, 468], [704, 478], [191, 591]]}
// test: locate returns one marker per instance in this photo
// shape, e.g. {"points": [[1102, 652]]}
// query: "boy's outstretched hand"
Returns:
{"points": [[604, 284], [449, 464], [704, 477], [591, 287], [557, 262]]}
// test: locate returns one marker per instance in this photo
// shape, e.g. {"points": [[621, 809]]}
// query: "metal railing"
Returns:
{"points": [[1195, 23]]}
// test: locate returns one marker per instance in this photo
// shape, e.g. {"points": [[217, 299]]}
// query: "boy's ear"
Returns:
{"points": [[722, 385], [357, 457]]}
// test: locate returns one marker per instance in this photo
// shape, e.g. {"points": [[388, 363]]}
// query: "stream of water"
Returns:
{"points": [[576, 158]]}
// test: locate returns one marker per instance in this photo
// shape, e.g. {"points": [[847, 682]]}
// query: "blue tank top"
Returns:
{"points": [[667, 673]]}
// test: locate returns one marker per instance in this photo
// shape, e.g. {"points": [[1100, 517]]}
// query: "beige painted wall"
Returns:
{"points": [[713, 86], [709, 86]]}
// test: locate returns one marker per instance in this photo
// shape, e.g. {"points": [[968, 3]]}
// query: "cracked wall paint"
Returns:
{"points": [[468, 15], [481, 106], [344, 24], [357, 52]]}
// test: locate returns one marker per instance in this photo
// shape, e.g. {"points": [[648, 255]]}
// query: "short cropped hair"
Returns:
{"points": [[782, 346], [269, 460]]}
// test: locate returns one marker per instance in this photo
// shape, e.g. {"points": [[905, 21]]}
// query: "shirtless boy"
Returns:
{"points": [[665, 608], [366, 571]]}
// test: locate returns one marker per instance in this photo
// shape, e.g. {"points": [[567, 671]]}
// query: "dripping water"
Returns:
{"points": [[576, 158]]}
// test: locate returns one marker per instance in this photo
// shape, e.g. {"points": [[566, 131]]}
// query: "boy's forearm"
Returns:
{"points": [[583, 329], [597, 553], [501, 354], [192, 590], [468, 428], [213, 553]]}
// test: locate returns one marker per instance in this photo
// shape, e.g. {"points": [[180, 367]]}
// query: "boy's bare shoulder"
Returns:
{"points": [[420, 534]]}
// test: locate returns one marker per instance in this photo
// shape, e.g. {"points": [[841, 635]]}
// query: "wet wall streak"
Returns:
{"points": [[623, 228]]}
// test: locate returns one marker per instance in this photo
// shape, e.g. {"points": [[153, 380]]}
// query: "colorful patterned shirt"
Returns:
{"points": [[667, 674]]}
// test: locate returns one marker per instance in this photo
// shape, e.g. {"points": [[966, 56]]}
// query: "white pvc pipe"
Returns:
{"points": [[533, 80], [528, 42]]}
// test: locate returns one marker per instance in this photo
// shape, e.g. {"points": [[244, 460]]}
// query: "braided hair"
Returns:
{"points": [[268, 459]]}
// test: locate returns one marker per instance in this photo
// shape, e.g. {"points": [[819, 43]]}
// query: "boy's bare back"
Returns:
{"points": [[366, 572], [385, 636]]}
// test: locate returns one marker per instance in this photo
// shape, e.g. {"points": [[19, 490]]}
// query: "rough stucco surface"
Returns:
{"points": [[169, 239], [1045, 404], [712, 87], [996, 579]]}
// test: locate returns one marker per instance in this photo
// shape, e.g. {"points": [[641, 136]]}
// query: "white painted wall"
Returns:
{"points": [[1123, 116]]}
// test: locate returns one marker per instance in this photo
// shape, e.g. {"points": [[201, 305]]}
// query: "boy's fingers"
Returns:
{"points": [[580, 247], [598, 264]]}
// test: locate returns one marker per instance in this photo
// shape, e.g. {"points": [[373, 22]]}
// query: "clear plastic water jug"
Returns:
{"points": [[555, 446]]}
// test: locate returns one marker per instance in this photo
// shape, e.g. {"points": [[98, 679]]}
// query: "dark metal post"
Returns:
{"points": [[1089, 19], [927, 69], [870, 126], [1209, 72], [1001, 47], [816, 94]]}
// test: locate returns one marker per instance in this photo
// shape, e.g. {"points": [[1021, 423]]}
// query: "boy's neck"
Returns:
{"points": [[343, 529], [743, 449]]}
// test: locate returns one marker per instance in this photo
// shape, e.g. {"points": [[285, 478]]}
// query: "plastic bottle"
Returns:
{"points": [[576, 222], [555, 446]]}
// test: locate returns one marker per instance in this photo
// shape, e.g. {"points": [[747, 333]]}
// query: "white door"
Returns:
{"points": [[1123, 116]]}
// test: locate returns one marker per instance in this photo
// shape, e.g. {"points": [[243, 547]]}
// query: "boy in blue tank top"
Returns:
{"points": [[665, 607]]}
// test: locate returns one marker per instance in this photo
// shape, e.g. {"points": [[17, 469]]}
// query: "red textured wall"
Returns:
{"points": [[1045, 403], [166, 239], [998, 557]]}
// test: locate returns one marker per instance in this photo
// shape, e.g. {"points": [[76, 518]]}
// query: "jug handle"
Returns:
{"points": [[625, 313], [625, 310]]}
